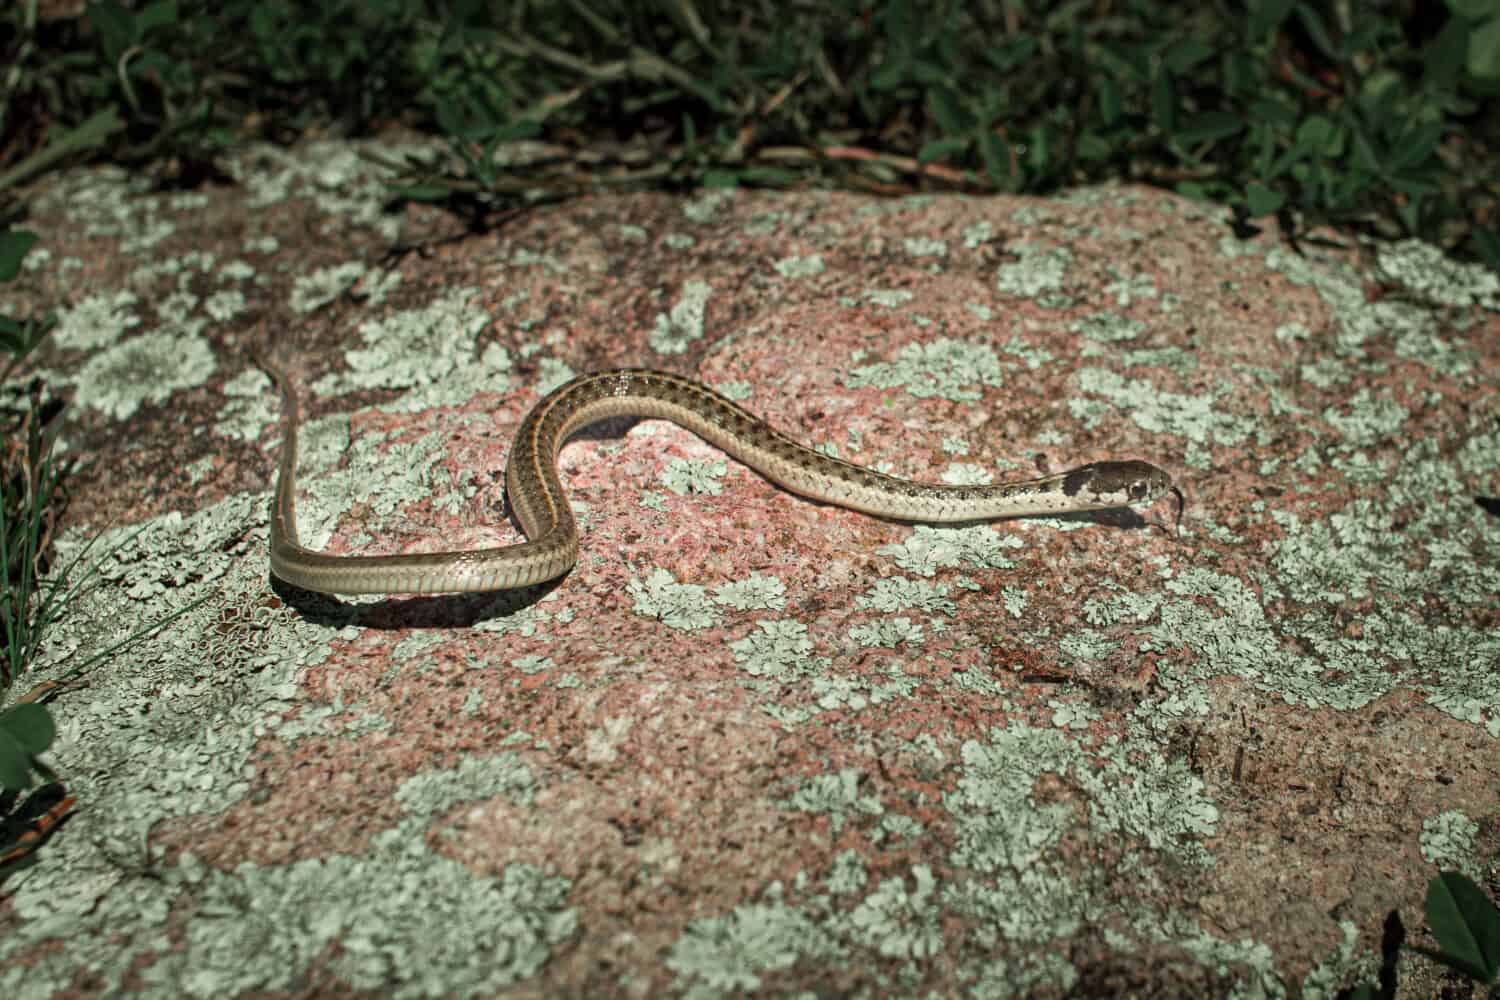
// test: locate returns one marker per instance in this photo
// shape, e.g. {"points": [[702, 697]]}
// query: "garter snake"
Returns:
{"points": [[540, 504]]}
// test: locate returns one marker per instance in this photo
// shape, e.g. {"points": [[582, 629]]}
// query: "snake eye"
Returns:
{"points": [[1139, 489]]}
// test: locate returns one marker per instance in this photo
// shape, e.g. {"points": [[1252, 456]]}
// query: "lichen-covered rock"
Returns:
{"points": [[750, 742]]}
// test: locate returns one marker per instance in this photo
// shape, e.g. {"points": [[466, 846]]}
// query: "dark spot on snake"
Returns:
{"points": [[1075, 480]]}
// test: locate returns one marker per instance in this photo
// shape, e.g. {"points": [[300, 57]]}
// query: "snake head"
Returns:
{"points": [[1103, 485]]}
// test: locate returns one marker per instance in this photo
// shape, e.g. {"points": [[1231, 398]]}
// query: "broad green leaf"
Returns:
{"points": [[14, 243], [1164, 103], [1484, 50], [155, 15], [1465, 924], [1443, 57], [1473, 10], [1266, 16], [1207, 127], [1487, 243], [1186, 54], [1261, 200], [15, 765], [952, 117], [940, 149], [422, 192], [1415, 146], [1316, 31], [1109, 102], [1273, 112], [1319, 136], [115, 25], [30, 726]]}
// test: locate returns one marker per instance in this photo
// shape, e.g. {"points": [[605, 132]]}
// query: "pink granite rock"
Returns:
{"points": [[753, 743]]}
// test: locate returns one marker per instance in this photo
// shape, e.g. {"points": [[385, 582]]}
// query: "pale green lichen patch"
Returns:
{"points": [[1348, 965], [187, 708], [738, 390], [1201, 418], [248, 404], [928, 549], [1228, 631], [754, 593], [996, 823], [346, 186], [1040, 274], [836, 795], [685, 475], [274, 922], [471, 779], [111, 203], [922, 246], [966, 474], [776, 649], [1447, 842], [950, 369], [684, 606], [1429, 273], [897, 922], [95, 321], [720, 956], [144, 369], [1008, 885], [432, 346], [676, 329], [1128, 287], [1361, 420], [311, 292], [381, 477], [799, 267], [704, 208], [1152, 799], [888, 633], [896, 593]]}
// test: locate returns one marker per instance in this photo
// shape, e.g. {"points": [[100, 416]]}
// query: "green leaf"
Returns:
{"points": [[940, 149], [1186, 54], [164, 12], [14, 243], [1413, 185], [952, 117], [1443, 57], [1487, 245], [1266, 16], [1273, 111], [1316, 31], [1261, 200], [1207, 127], [1164, 103], [1465, 924], [1484, 50], [996, 156], [1415, 146], [422, 192], [1109, 102], [720, 179], [1319, 136], [1473, 10], [15, 764], [30, 726], [115, 25]]}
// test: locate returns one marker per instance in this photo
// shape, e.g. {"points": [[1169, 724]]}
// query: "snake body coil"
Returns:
{"points": [[540, 503]]}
